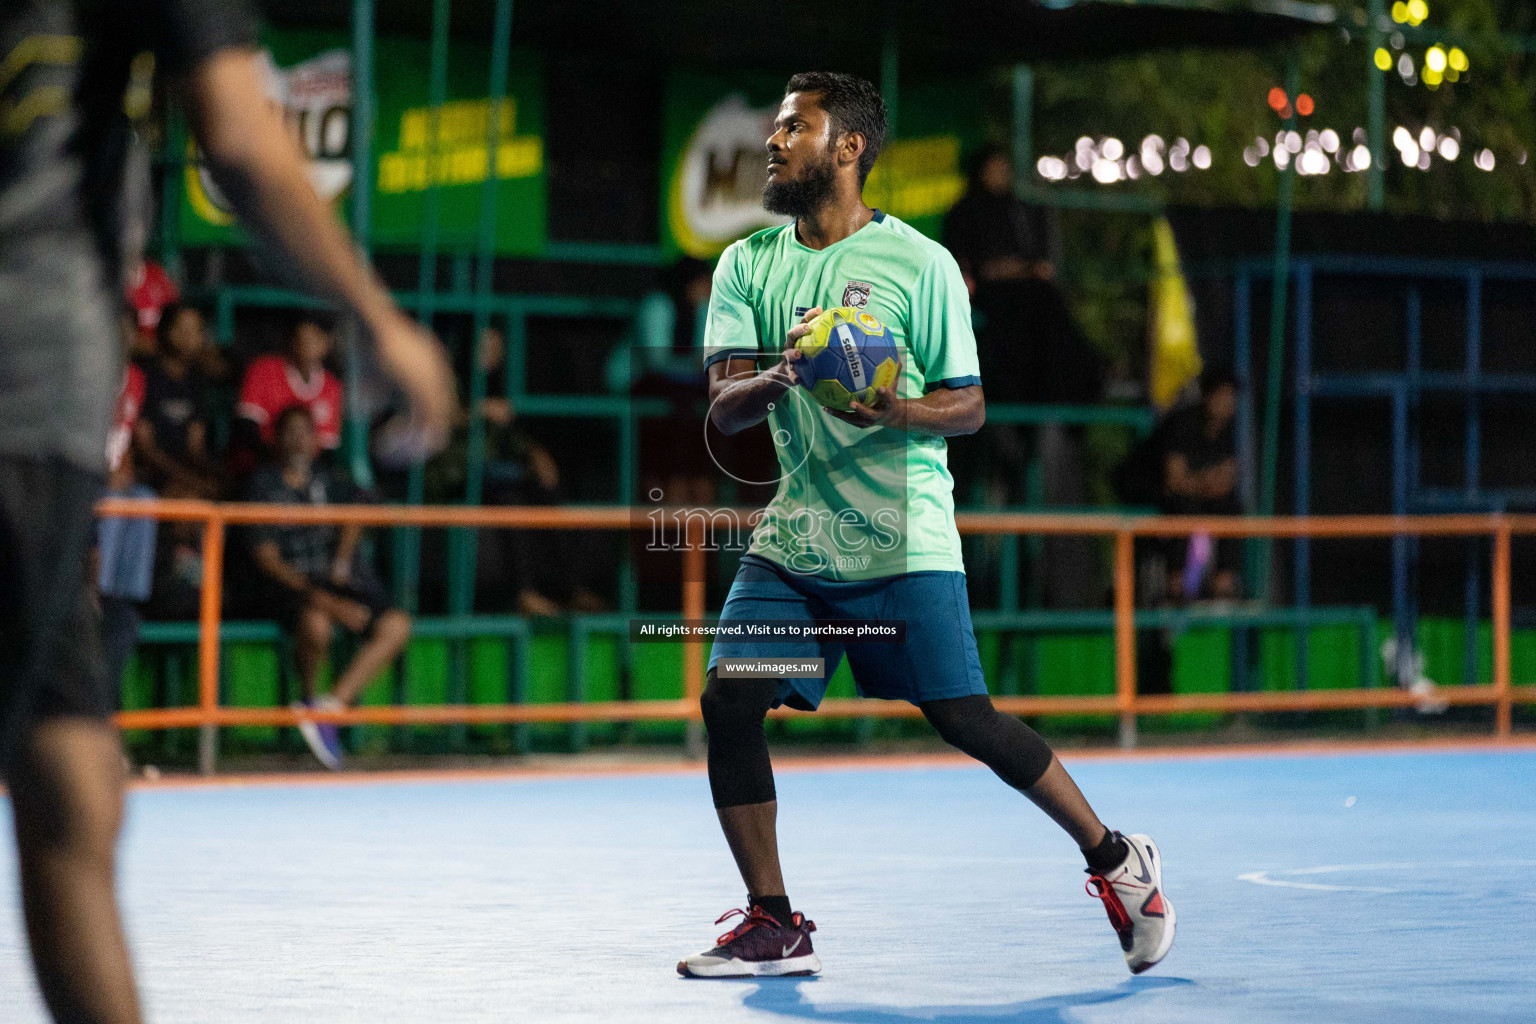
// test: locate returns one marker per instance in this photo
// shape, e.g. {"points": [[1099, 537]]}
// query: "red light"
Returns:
{"points": [[1278, 100], [1304, 105], [1285, 112]]}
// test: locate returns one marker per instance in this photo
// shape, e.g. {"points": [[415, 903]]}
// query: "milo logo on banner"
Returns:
{"points": [[715, 194], [316, 97]]}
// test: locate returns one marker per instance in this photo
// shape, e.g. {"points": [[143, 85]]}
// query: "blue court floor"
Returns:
{"points": [[1362, 888]]}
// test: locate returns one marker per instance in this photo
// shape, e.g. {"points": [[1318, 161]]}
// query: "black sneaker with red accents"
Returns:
{"points": [[758, 947], [1138, 909]]}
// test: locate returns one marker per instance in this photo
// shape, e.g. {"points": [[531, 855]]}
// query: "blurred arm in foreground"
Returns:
{"points": [[259, 167]]}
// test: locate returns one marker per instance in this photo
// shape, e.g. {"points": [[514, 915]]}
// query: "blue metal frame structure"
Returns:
{"points": [[1405, 390]]}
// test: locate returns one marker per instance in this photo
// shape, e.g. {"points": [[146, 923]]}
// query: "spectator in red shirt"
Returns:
{"points": [[298, 377], [125, 416], [150, 290]]}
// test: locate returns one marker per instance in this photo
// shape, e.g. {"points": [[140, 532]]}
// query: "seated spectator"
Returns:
{"points": [[1029, 345], [273, 383], [312, 579], [171, 436], [1200, 478], [125, 548], [517, 471]]}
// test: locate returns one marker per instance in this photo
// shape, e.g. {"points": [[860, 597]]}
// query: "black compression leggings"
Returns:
{"points": [[741, 773]]}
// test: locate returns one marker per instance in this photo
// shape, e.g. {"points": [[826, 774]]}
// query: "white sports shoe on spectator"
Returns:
{"points": [[1138, 909]]}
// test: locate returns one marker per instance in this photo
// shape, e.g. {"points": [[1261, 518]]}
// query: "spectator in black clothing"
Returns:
{"points": [[1200, 478], [171, 438], [313, 580], [543, 570], [1030, 351], [1029, 347]]}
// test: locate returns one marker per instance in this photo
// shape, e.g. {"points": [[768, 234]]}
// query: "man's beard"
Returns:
{"points": [[802, 197]]}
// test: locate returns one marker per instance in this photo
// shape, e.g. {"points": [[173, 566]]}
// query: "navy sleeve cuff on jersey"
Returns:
{"points": [[729, 353], [951, 382]]}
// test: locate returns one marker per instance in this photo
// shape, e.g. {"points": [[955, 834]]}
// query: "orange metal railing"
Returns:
{"points": [[1126, 702]]}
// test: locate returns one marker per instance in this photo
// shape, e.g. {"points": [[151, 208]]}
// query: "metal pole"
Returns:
{"points": [[1503, 714], [1280, 286], [361, 141], [170, 193], [693, 648], [210, 611], [408, 539], [1125, 636], [463, 543], [1302, 501], [1376, 121], [1023, 126], [1473, 469]]}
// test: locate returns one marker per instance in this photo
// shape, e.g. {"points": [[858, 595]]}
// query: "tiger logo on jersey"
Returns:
{"points": [[856, 294]]}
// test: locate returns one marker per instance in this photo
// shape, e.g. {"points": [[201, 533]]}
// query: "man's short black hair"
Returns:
{"points": [[853, 104]]}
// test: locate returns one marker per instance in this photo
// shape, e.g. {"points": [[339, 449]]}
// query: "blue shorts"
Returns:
{"points": [[938, 659]]}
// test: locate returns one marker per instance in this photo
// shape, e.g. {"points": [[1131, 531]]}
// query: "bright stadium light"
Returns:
{"points": [[1251, 157], [1401, 137], [1112, 148], [1293, 141], [1051, 168], [1427, 138], [1409, 153], [1418, 10], [1152, 161], [1105, 172], [1434, 59], [1450, 149], [1133, 167], [1423, 163], [1457, 59], [1360, 157], [1262, 145], [1329, 139], [1383, 58], [1202, 157], [1282, 157], [1484, 160], [1405, 66]]}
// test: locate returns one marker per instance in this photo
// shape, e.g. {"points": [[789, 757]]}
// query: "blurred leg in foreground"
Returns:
{"points": [[67, 797]]}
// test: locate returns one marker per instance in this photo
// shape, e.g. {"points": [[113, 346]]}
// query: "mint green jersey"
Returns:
{"points": [[852, 503]]}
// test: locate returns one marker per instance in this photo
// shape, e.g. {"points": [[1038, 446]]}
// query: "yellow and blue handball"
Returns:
{"points": [[847, 355]]}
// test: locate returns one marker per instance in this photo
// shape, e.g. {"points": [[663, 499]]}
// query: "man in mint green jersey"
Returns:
{"points": [[862, 526]]}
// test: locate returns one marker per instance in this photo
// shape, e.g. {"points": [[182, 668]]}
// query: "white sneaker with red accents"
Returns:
{"points": [[1138, 908], [758, 947]]}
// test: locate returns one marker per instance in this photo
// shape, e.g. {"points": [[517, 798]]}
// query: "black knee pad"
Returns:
{"points": [[1003, 743], [739, 769], [735, 706]]}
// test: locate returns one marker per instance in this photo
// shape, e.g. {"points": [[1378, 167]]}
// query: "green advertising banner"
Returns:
{"points": [[713, 161], [310, 74]]}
